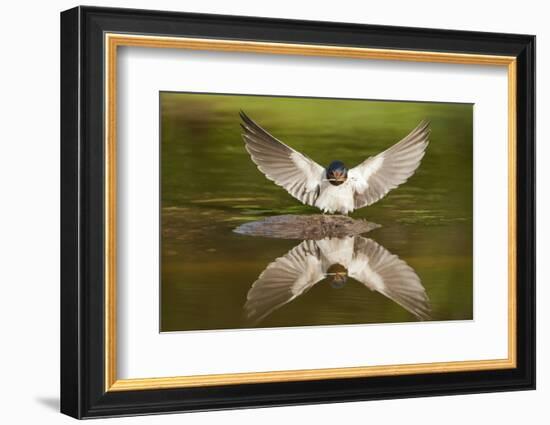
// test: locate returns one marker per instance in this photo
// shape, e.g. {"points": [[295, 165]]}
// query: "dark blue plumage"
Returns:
{"points": [[337, 173]]}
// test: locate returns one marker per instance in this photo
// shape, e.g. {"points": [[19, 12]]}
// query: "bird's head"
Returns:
{"points": [[339, 275], [337, 173]]}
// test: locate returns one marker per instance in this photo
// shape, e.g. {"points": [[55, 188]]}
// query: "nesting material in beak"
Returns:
{"points": [[339, 275], [337, 177]]}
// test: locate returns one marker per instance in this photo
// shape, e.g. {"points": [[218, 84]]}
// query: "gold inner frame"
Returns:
{"points": [[113, 41]]}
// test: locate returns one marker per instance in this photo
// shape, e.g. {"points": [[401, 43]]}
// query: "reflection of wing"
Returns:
{"points": [[283, 280], [377, 175], [381, 271], [288, 168]]}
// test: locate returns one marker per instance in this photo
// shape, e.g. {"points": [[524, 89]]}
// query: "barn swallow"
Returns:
{"points": [[335, 189], [335, 260]]}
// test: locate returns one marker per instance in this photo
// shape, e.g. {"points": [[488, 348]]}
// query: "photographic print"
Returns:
{"points": [[290, 211]]}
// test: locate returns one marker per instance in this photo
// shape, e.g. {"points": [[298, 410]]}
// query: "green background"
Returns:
{"points": [[209, 186]]}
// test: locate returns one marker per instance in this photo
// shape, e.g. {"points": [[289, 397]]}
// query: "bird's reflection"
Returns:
{"points": [[337, 259]]}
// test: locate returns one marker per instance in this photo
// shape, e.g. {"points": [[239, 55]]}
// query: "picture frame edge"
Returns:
{"points": [[83, 394]]}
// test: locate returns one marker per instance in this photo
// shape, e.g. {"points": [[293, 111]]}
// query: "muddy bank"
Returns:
{"points": [[315, 227]]}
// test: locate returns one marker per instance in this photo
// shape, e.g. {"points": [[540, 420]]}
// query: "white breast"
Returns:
{"points": [[337, 250], [336, 198]]}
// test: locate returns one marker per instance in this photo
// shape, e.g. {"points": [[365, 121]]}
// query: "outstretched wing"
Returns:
{"points": [[283, 280], [377, 175], [379, 270], [288, 168]]}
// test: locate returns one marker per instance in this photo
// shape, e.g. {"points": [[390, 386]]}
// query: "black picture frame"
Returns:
{"points": [[83, 392]]}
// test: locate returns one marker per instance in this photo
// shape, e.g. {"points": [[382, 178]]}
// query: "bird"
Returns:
{"points": [[334, 189], [312, 261]]}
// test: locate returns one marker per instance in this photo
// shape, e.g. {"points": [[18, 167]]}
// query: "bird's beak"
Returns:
{"points": [[338, 280], [339, 176]]}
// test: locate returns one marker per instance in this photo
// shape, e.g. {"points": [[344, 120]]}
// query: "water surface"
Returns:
{"points": [[209, 186]]}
